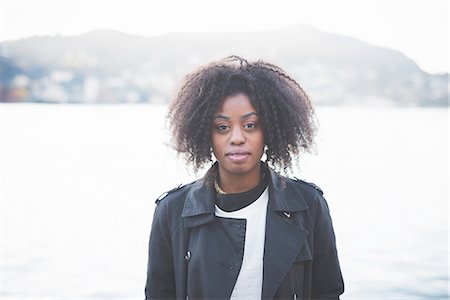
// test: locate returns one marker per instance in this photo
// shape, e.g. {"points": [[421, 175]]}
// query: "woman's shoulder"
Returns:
{"points": [[312, 195], [169, 206], [177, 192], [309, 192], [312, 187]]}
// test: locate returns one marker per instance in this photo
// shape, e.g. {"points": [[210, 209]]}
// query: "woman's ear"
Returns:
{"points": [[264, 156], [211, 152]]}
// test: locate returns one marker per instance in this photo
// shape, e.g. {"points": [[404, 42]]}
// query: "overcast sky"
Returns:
{"points": [[419, 29]]}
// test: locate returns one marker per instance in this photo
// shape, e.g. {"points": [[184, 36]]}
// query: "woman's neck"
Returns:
{"points": [[238, 183]]}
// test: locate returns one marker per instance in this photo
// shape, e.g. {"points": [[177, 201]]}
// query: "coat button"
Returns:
{"points": [[288, 215], [187, 256]]}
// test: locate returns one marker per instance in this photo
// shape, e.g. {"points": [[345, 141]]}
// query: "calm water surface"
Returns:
{"points": [[78, 184]]}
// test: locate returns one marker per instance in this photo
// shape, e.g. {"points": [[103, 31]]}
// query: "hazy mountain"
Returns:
{"points": [[333, 69]]}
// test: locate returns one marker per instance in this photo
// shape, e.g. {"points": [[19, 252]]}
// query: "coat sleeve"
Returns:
{"points": [[327, 282], [160, 270]]}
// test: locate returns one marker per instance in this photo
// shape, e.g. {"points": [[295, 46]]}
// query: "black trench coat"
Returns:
{"points": [[194, 254]]}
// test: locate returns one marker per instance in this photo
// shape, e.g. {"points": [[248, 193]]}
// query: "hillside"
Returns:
{"points": [[111, 66]]}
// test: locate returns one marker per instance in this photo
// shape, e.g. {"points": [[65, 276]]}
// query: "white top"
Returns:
{"points": [[249, 281]]}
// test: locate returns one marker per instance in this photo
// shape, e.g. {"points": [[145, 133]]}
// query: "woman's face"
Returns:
{"points": [[237, 137]]}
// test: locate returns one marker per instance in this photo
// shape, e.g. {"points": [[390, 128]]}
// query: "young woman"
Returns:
{"points": [[243, 231]]}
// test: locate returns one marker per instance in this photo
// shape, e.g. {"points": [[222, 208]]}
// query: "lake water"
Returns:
{"points": [[78, 184]]}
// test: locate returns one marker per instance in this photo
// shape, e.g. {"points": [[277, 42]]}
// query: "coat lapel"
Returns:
{"points": [[199, 206], [284, 239]]}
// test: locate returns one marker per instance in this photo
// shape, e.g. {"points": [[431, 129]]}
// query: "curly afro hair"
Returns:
{"points": [[285, 111]]}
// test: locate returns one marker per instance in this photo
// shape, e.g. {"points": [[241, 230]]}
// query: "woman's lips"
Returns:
{"points": [[238, 156]]}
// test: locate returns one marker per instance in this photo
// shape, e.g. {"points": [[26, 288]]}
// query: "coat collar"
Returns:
{"points": [[199, 207], [286, 197]]}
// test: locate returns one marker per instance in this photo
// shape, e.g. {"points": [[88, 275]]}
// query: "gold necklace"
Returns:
{"points": [[222, 192], [217, 188]]}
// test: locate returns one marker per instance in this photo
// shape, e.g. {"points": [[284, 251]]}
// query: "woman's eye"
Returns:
{"points": [[221, 127], [250, 125]]}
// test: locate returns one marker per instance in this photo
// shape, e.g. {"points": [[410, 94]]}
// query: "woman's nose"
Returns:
{"points": [[237, 136]]}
